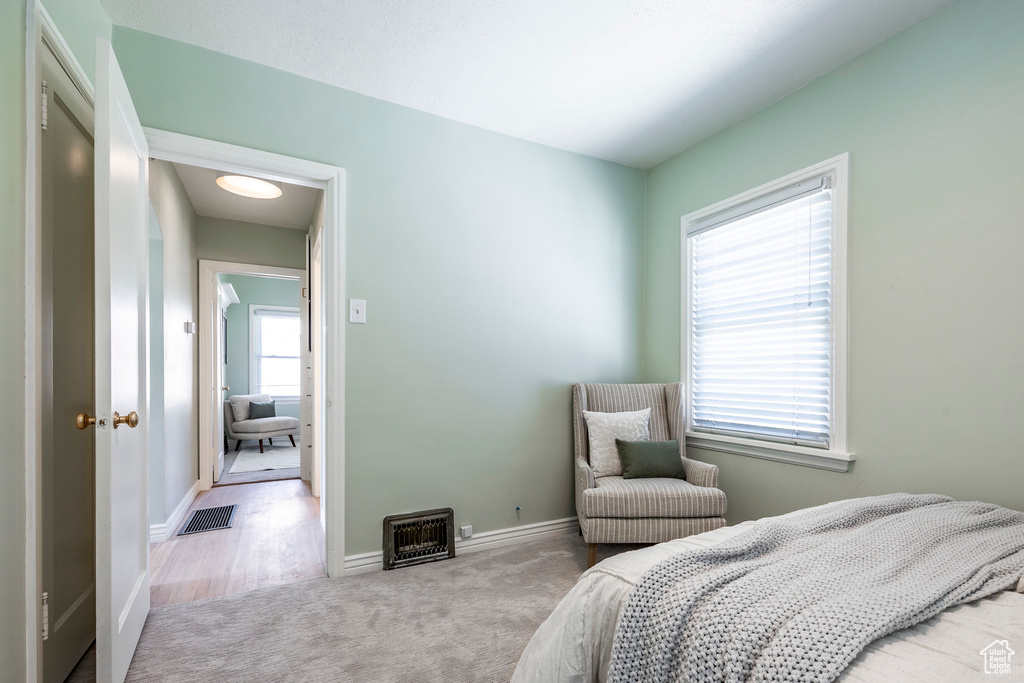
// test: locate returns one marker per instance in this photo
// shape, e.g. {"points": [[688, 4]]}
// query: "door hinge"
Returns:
{"points": [[46, 616], [43, 103]]}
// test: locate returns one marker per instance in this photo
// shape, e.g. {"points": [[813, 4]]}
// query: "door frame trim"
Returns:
{"points": [[40, 31], [194, 151], [209, 297]]}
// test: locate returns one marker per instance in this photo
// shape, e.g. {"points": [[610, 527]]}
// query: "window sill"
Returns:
{"points": [[834, 461]]}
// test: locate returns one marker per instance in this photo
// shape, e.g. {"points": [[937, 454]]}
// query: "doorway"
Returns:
{"points": [[246, 333], [262, 357], [177, 148], [85, 248]]}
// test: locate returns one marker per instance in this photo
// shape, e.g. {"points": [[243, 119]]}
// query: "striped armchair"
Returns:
{"points": [[616, 510]]}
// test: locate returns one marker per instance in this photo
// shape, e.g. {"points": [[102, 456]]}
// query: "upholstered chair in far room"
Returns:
{"points": [[240, 426], [612, 509]]}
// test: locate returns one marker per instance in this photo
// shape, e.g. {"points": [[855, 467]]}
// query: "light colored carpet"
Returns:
{"points": [[273, 458], [466, 619]]}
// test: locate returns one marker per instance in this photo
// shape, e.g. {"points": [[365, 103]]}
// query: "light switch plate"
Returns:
{"points": [[357, 311]]}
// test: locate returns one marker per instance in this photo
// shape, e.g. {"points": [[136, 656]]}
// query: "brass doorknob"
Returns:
{"points": [[225, 388], [82, 421], [131, 419]]}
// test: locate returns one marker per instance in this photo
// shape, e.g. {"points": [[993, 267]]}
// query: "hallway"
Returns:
{"points": [[276, 538]]}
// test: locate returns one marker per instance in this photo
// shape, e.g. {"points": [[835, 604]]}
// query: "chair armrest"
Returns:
{"points": [[584, 475], [584, 481], [701, 473]]}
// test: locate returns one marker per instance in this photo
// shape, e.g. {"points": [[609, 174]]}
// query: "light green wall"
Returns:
{"points": [[931, 119], [12, 340], [221, 239], [81, 22], [179, 226], [254, 290], [497, 272]]}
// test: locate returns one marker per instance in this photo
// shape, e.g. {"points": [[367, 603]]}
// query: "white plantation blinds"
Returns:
{"points": [[761, 328], [276, 352]]}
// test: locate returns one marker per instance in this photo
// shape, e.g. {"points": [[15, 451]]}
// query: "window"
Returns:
{"points": [[765, 319], [274, 351]]}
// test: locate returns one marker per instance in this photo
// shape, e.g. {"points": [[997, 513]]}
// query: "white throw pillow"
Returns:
{"points": [[604, 428]]}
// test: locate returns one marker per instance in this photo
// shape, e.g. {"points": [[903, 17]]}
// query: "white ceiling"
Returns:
{"points": [[293, 209], [632, 81]]}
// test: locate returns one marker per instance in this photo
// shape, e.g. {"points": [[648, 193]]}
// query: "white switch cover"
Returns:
{"points": [[357, 311]]}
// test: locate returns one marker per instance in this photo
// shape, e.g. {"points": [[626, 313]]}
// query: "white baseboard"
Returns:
{"points": [[161, 532], [368, 562]]}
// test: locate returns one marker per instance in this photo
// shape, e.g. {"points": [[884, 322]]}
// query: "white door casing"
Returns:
{"points": [[211, 360], [305, 379], [220, 394], [220, 156], [122, 350], [316, 330]]}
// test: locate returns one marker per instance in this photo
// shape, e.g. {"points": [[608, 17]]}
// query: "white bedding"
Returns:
{"points": [[574, 645]]}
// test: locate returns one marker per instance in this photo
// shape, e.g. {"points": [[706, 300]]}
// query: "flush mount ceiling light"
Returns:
{"points": [[247, 186]]}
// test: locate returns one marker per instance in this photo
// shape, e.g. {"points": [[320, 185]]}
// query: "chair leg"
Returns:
{"points": [[261, 445], [591, 555], [292, 439], [270, 440], [238, 446]]}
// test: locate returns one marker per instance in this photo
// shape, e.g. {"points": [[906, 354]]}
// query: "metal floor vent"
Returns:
{"points": [[419, 537], [209, 519]]}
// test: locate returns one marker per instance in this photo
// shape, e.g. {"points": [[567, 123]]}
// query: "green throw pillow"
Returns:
{"points": [[645, 459], [257, 409]]}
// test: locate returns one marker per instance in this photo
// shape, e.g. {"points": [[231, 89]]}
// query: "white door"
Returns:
{"points": [[121, 272]]}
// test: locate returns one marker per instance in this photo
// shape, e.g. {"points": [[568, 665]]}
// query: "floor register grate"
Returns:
{"points": [[209, 519]]}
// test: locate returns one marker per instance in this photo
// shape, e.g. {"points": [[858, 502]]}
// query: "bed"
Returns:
{"points": [[575, 644]]}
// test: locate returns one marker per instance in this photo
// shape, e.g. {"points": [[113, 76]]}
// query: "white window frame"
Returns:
{"points": [[254, 310], [836, 457]]}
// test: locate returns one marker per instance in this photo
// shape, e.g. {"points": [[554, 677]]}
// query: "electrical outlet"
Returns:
{"points": [[466, 530]]}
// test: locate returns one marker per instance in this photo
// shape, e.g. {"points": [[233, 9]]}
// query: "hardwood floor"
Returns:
{"points": [[276, 538]]}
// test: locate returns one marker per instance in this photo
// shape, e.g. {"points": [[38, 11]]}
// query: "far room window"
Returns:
{"points": [[764, 310], [274, 342]]}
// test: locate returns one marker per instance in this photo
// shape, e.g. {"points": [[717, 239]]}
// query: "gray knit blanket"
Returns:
{"points": [[798, 597]]}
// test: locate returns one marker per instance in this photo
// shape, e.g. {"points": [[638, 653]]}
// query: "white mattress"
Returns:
{"points": [[574, 644]]}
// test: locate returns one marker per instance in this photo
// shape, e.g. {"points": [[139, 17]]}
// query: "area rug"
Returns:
{"points": [[273, 458]]}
